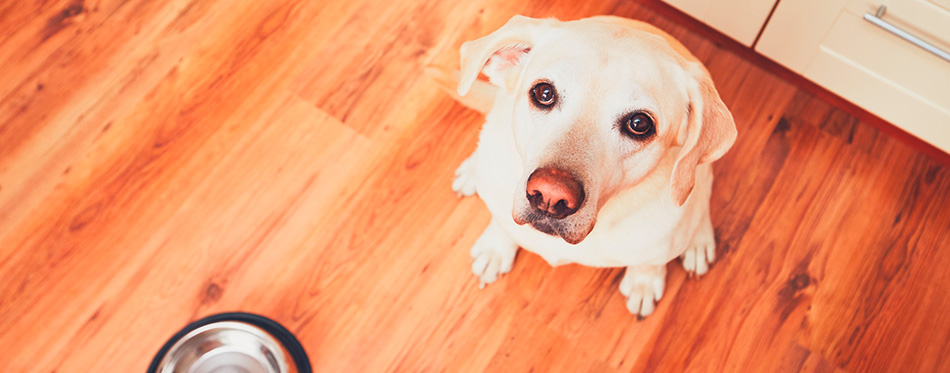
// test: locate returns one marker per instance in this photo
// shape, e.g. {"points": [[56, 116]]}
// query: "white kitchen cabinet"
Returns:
{"points": [[830, 43], [739, 19]]}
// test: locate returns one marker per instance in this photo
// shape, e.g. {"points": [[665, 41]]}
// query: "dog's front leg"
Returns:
{"points": [[643, 287], [466, 176], [701, 252], [493, 254]]}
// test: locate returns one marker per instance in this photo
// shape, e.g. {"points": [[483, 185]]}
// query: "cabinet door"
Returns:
{"points": [[830, 43], [739, 19]]}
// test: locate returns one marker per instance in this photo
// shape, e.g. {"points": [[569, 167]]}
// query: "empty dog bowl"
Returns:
{"points": [[232, 343]]}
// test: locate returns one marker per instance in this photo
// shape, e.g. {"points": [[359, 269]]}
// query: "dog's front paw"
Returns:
{"points": [[698, 257], [643, 287], [464, 183], [492, 255], [701, 252]]}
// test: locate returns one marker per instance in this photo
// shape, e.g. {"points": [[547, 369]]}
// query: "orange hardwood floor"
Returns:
{"points": [[161, 161]]}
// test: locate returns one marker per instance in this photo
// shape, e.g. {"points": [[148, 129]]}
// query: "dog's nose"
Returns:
{"points": [[554, 192]]}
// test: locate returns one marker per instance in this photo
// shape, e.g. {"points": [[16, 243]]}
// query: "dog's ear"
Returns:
{"points": [[498, 53], [710, 132]]}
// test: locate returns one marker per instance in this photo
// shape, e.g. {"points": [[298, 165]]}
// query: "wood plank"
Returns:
{"points": [[279, 172]]}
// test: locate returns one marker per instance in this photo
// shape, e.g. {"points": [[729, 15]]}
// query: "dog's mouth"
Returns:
{"points": [[556, 202], [572, 230]]}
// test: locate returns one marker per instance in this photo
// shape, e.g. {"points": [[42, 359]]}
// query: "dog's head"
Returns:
{"points": [[595, 107]]}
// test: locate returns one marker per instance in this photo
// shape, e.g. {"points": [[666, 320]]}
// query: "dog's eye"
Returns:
{"points": [[543, 95], [637, 125]]}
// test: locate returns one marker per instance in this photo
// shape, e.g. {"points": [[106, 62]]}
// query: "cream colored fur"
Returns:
{"points": [[647, 203]]}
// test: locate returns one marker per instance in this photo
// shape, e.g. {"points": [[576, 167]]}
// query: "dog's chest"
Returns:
{"points": [[634, 240]]}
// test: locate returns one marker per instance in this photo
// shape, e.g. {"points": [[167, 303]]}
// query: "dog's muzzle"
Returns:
{"points": [[554, 196]]}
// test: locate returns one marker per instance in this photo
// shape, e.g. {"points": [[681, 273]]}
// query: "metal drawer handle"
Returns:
{"points": [[876, 19]]}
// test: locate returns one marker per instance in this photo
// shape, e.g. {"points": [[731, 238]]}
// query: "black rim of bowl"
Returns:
{"points": [[279, 332]]}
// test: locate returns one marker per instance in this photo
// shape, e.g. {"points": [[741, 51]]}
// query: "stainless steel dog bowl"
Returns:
{"points": [[232, 343]]}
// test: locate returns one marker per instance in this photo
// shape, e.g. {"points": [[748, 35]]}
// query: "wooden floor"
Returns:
{"points": [[161, 161]]}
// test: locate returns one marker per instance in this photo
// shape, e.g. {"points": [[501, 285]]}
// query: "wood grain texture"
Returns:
{"points": [[163, 161]]}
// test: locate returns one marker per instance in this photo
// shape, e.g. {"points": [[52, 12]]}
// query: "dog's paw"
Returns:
{"points": [[643, 287], [698, 257], [492, 255], [701, 252], [464, 182]]}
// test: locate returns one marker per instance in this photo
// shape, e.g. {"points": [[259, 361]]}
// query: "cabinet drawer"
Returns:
{"points": [[740, 19], [867, 65]]}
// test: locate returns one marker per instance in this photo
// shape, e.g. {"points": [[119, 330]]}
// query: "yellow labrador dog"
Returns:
{"points": [[596, 149]]}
